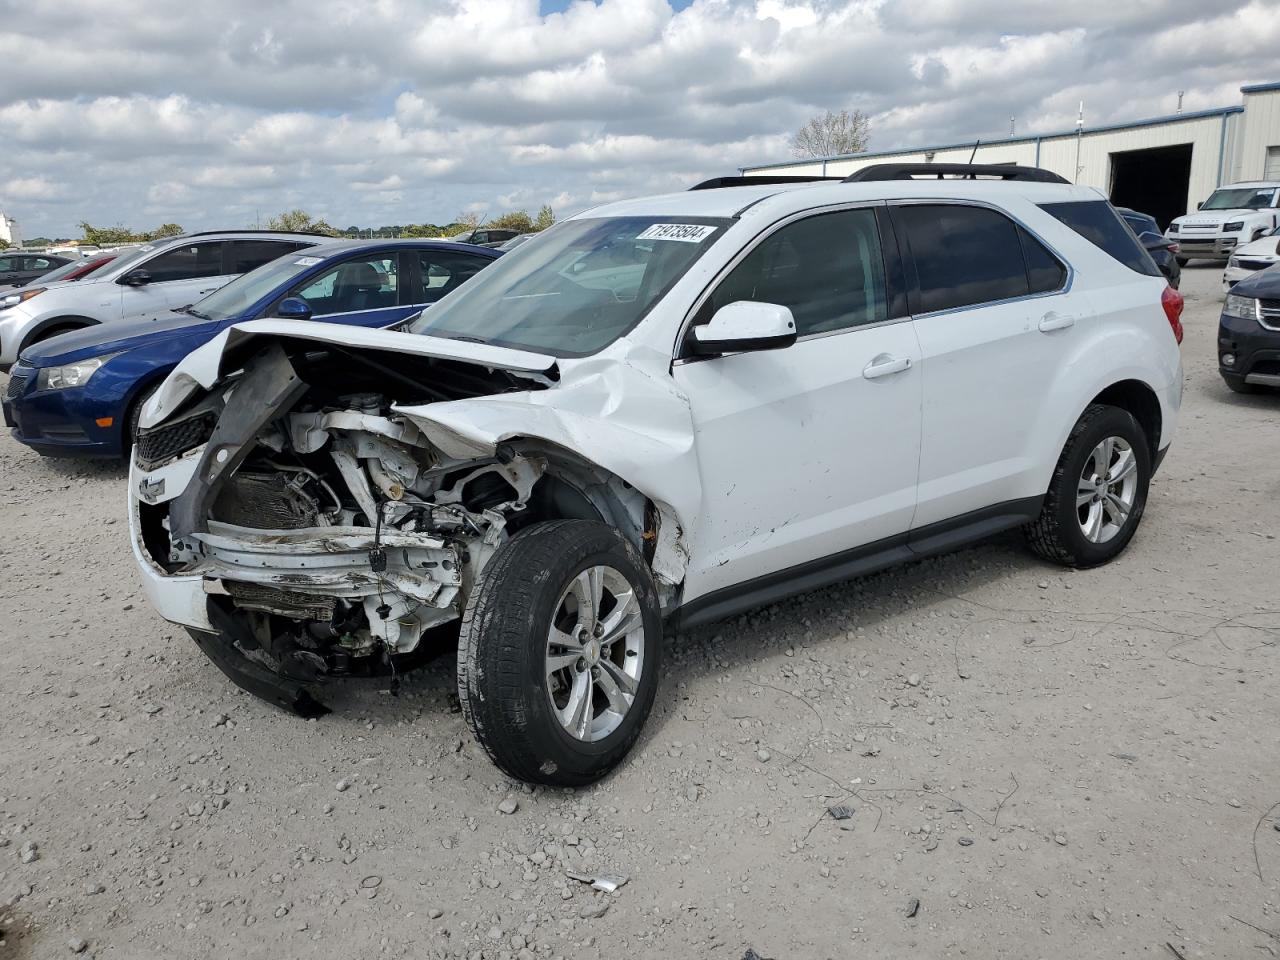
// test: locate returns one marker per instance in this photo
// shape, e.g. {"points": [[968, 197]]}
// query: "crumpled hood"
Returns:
{"points": [[115, 337], [202, 368]]}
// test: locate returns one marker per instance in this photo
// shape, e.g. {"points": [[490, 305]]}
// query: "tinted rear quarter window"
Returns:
{"points": [[963, 255], [246, 255], [1098, 222]]}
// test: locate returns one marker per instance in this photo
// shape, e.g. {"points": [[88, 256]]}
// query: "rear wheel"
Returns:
{"points": [[1098, 492], [559, 654]]}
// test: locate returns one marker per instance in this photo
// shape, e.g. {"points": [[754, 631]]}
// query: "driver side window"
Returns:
{"points": [[826, 268], [365, 283]]}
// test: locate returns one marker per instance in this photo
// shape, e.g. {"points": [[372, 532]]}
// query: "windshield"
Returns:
{"points": [[248, 288], [580, 287], [1240, 198]]}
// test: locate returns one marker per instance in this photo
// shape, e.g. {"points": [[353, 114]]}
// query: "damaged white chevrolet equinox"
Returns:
{"points": [[661, 410]]}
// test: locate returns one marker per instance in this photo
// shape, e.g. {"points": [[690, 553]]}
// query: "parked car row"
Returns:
{"points": [[79, 386]]}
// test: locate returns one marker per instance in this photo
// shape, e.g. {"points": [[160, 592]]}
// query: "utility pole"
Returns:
{"points": [[1180, 92], [1011, 126]]}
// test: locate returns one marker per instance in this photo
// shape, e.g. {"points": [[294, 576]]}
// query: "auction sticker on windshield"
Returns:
{"points": [[684, 232], [307, 261]]}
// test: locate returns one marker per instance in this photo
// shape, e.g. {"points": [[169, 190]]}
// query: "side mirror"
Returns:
{"points": [[293, 308], [1152, 241], [136, 278], [745, 325]]}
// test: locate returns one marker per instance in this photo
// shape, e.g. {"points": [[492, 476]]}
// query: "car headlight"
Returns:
{"points": [[71, 374], [1233, 262], [1235, 226], [1245, 308], [21, 295], [1173, 228]]}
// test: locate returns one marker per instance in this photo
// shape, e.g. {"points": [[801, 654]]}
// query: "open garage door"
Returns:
{"points": [[1153, 181]]}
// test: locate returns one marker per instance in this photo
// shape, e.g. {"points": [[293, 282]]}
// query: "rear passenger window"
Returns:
{"points": [[1098, 222], [1045, 273], [443, 271], [187, 262], [248, 255], [963, 255], [827, 269]]}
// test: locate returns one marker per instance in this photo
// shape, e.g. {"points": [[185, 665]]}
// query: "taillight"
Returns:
{"points": [[1174, 248], [1172, 302]]}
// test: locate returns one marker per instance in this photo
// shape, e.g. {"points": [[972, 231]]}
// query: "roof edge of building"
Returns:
{"points": [[1005, 141], [1260, 87]]}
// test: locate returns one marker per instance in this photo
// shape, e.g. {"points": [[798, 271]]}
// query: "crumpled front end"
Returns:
{"points": [[325, 527]]}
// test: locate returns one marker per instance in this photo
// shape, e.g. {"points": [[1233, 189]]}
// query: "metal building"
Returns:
{"points": [[1163, 166]]}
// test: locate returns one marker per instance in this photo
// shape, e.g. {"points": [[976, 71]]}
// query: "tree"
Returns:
{"points": [[546, 217], [108, 236], [832, 134], [515, 220], [467, 220], [299, 221], [167, 230]]}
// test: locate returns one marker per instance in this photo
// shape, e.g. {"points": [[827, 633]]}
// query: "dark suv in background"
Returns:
{"points": [[17, 268]]}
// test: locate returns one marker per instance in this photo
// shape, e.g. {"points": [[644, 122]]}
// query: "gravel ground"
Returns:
{"points": [[1048, 763]]}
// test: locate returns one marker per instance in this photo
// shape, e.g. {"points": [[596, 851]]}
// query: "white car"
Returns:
{"points": [[666, 410], [1232, 216], [1249, 259], [153, 278]]}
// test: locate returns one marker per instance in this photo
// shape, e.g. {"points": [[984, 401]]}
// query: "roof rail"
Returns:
{"points": [[962, 171], [764, 181], [209, 233]]}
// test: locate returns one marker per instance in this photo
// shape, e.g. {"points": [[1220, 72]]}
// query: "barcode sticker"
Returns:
{"points": [[683, 232], [306, 261]]}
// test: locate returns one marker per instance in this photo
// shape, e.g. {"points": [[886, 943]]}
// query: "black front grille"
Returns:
{"points": [[1254, 264], [154, 446], [17, 383]]}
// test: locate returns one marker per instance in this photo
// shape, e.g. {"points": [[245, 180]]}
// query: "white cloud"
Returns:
{"points": [[399, 111]]}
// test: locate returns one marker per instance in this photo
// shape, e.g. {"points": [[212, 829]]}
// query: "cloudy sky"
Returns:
{"points": [[406, 111]]}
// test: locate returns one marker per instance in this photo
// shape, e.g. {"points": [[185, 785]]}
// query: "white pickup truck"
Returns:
{"points": [[1236, 214]]}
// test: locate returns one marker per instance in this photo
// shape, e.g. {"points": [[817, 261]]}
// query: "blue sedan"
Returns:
{"points": [[79, 395]]}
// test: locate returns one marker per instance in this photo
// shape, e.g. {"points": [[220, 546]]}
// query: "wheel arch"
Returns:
{"points": [[64, 323], [1139, 399]]}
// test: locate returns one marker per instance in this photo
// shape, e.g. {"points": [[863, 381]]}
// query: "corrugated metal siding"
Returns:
{"points": [[1225, 148], [1261, 130]]}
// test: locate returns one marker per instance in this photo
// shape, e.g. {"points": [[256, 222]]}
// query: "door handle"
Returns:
{"points": [[1055, 321], [884, 365]]}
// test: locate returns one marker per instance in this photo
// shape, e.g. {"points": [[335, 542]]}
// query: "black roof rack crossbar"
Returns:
{"points": [[764, 181], [964, 171]]}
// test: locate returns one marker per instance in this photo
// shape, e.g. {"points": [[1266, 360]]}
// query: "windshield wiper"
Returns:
{"points": [[189, 309]]}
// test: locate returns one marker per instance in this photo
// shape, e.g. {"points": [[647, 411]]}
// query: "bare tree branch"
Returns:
{"points": [[832, 134]]}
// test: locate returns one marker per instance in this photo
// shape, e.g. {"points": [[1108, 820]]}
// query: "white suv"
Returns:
{"points": [[1232, 216], [669, 409], [154, 278]]}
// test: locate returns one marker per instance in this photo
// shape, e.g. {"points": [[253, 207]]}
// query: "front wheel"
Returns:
{"points": [[559, 654], [1098, 493]]}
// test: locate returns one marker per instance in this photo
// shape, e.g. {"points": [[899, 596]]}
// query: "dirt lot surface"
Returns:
{"points": [[1050, 764]]}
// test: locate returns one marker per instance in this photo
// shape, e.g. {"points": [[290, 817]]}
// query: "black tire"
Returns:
{"points": [[1056, 534], [131, 422], [502, 678]]}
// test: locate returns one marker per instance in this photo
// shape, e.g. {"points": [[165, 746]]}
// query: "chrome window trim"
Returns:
{"points": [[745, 251], [1065, 288]]}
